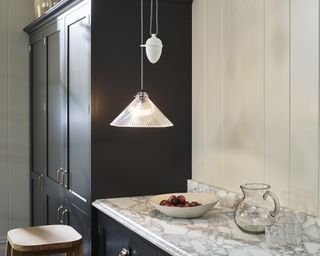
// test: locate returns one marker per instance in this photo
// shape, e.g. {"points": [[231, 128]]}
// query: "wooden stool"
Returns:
{"points": [[44, 240]]}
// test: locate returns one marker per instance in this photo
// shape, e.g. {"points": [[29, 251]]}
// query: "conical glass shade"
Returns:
{"points": [[141, 112]]}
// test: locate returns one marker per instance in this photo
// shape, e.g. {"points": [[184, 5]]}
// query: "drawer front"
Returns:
{"points": [[114, 238]]}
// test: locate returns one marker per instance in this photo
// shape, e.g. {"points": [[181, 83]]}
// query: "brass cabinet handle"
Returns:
{"points": [[124, 252], [63, 182], [58, 213], [40, 181], [62, 216], [58, 175]]}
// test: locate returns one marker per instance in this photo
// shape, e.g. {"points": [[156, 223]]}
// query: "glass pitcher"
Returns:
{"points": [[254, 212]]}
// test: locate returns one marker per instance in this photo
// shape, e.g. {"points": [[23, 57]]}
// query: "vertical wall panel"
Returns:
{"points": [[277, 88], [304, 104], [18, 109], [198, 113], [243, 92], [14, 120], [213, 89], [233, 96], [4, 157]]}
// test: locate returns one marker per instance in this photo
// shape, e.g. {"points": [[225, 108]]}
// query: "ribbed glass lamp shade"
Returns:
{"points": [[142, 113]]}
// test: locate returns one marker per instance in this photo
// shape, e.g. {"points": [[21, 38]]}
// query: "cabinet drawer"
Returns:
{"points": [[139, 247], [113, 237]]}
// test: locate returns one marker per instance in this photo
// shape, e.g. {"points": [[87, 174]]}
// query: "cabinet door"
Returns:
{"points": [[38, 106], [55, 204], [79, 82], [139, 247], [38, 209], [112, 238], [57, 101], [80, 221]]}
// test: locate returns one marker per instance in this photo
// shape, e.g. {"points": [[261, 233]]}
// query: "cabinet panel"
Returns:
{"points": [[57, 101], [80, 221], [38, 94], [113, 238], [79, 77], [55, 207], [113, 243], [138, 247], [38, 209]]}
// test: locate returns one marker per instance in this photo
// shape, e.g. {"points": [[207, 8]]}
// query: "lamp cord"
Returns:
{"points": [[141, 26], [151, 17], [141, 48]]}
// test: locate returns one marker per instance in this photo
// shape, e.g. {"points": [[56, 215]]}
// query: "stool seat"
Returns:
{"points": [[48, 239]]}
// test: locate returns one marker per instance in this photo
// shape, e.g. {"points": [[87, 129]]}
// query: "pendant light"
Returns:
{"points": [[141, 112]]}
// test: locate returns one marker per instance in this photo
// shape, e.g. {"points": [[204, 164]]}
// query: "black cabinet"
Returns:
{"points": [[85, 67], [60, 144], [56, 100], [79, 81], [113, 239], [80, 220]]}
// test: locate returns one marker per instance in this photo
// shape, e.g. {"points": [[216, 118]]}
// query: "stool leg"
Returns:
{"points": [[8, 249], [14, 253], [78, 251]]}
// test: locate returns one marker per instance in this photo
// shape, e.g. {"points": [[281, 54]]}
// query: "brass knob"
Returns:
{"points": [[124, 252], [62, 216]]}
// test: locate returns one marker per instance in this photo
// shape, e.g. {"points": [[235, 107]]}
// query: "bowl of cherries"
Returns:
{"points": [[185, 205]]}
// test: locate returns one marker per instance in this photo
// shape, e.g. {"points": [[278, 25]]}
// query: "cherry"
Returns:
{"points": [[194, 204], [178, 201], [164, 202], [173, 200], [181, 199], [187, 204]]}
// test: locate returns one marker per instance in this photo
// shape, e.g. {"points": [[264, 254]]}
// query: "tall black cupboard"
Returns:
{"points": [[84, 70]]}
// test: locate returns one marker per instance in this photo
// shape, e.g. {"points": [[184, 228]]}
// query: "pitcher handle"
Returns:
{"points": [[275, 199]]}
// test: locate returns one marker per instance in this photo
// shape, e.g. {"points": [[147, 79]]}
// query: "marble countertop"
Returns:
{"points": [[214, 234]]}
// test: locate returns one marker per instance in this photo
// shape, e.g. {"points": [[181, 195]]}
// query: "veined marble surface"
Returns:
{"points": [[214, 234]]}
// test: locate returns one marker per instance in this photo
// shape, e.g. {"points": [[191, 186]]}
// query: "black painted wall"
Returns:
{"points": [[135, 161]]}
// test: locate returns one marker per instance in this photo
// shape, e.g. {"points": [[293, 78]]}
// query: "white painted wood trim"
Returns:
{"points": [[3, 241], [198, 142], [304, 107], [277, 97]]}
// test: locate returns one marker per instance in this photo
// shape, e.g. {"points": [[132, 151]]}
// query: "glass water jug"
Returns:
{"points": [[254, 211]]}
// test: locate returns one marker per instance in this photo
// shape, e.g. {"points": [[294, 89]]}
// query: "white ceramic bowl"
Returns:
{"points": [[207, 201]]}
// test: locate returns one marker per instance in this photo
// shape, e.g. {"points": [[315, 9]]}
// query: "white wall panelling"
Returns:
{"points": [[304, 181], [243, 91], [198, 91], [14, 115], [256, 96], [277, 97], [3, 241], [4, 144]]}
